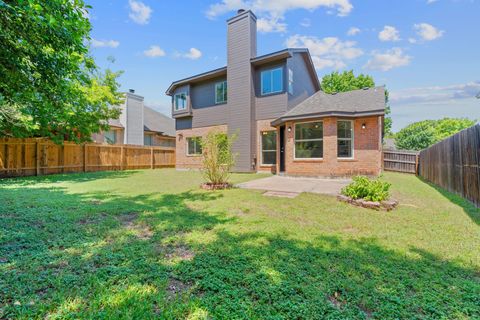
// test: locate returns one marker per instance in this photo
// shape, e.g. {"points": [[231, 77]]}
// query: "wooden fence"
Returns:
{"points": [[453, 164], [400, 161], [29, 157]]}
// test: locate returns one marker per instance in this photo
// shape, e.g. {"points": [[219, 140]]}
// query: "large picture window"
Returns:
{"points": [[269, 147], [221, 92], [345, 139], [180, 101], [309, 140], [194, 146], [272, 81], [110, 137]]}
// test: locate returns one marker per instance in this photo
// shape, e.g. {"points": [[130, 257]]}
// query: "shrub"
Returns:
{"points": [[218, 158], [368, 189]]}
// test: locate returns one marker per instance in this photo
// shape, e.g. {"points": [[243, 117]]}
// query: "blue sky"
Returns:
{"points": [[426, 52]]}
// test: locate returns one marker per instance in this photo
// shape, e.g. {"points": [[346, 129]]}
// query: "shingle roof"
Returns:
{"points": [[157, 122], [348, 104]]}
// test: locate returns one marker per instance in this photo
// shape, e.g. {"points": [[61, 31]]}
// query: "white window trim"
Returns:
{"points": [[175, 101], [290, 81], [261, 82], [347, 139], [187, 149], [216, 96], [261, 149], [305, 140]]}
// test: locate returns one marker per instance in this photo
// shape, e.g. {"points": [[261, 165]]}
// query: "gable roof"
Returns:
{"points": [[363, 102], [157, 122]]}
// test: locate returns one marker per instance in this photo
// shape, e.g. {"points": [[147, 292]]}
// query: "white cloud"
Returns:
{"points": [[306, 23], [353, 31], [412, 40], [272, 11], [192, 54], [428, 32], [140, 13], [388, 60], [327, 52], [389, 33], [431, 1], [435, 94], [154, 51], [104, 43]]}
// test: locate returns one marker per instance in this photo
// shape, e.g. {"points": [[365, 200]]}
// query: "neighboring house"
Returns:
{"points": [[138, 125], [273, 102], [389, 144]]}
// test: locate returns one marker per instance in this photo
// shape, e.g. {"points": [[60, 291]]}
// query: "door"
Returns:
{"points": [[282, 148]]}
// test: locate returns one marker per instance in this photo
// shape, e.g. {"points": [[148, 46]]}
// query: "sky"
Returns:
{"points": [[426, 52]]}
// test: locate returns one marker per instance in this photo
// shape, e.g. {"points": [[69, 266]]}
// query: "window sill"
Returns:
{"points": [[347, 160], [194, 155], [270, 94], [267, 165], [308, 160]]}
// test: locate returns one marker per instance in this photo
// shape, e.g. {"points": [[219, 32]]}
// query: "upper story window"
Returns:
{"points": [[309, 140], [272, 81], [290, 81], [345, 139], [221, 92], [180, 101]]}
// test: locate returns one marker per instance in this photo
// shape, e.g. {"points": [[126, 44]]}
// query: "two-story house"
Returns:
{"points": [[275, 105]]}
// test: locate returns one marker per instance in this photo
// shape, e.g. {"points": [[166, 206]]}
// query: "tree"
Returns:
{"points": [[347, 81], [218, 158], [423, 134], [50, 85]]}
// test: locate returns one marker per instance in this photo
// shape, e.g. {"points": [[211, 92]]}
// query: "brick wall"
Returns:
{"points": [[184, 161], [263, 125], [367, 151]]}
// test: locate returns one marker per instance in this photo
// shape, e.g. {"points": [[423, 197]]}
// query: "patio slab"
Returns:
{"points": [[297, 185]]}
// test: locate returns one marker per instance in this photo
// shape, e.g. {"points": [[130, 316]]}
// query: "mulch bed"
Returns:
{"points": [[215, 186], [386, 205]]}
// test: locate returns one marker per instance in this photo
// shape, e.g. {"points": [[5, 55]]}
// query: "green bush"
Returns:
{"points": [[368, 189]]}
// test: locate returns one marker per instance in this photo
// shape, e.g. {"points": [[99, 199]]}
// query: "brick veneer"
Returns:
{"points": [[367, 151], [183, 161], [264, 125]]}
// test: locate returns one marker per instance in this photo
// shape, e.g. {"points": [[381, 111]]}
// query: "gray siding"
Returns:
{"points": [[270, 107], [258, 72], [203, 94], [134, 120], [212, 116], [183, 123], [303, 83]]}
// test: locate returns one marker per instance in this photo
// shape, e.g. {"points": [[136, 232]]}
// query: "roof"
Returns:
{"points": [[274, 56], [155, 121], [115, 123], [363, 102]]}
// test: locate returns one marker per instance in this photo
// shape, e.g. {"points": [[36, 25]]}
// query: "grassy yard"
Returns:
{"points": [[150, 244]]}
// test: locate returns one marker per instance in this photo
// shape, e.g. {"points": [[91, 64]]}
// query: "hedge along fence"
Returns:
{"points": [[29, 157], [453, 164]]}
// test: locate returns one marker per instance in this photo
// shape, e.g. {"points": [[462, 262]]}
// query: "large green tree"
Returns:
{"points": [[49, 84], [347, 81], [423, 134]]}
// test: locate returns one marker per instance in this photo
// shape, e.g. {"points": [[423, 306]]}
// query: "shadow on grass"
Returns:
{"points": [[106, 256]]}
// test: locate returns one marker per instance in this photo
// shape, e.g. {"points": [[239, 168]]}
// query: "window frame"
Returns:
{"points": [[290, 81], [224, 91], [305, 140], [109, 141], [262, 151], [271, 79], [352, 139], [150, 137], [175, 109], [187, 149]]}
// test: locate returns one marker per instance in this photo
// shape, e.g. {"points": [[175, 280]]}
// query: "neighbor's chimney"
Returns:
{"points": [[131, 90]]}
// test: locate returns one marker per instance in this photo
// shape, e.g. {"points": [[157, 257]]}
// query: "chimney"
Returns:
{"points": [[241, 47], [131, 90]]}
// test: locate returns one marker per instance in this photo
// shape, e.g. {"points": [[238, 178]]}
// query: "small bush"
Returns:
{"points": [[218, 158], [368, 189]]}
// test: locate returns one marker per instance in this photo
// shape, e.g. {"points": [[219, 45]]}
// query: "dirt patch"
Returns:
{"points": [[181, 252], [335, 299], [92, 220], [176, 287], [142, 231], [215, 186], [368, 313]]}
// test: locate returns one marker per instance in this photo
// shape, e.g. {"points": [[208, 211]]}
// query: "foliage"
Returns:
{"points": [[422, 134], [347, 81], [368, 189], [218, 158], [121, 245], [50, 85]]}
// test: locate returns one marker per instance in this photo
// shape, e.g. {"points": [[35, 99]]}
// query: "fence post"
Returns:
{"points": [[37, 158], [152, 158], [85, 157], [416, 164], [122, 156]]}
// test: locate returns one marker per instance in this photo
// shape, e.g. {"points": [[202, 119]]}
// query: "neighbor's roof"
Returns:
{"points": [[155, 121], [115, 123], [363, 102], [267, 58]]}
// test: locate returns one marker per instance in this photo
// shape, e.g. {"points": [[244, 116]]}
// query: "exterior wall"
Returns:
{"points": [[184, 161], [271, 106], [202, 95], [134, 115], [367, 151], [303, 82], [264, 125], [161, 141]]}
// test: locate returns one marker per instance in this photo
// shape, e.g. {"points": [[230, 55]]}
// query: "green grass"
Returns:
{"points": [[151, 244]]}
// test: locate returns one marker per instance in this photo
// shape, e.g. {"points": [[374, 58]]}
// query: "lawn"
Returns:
{"points": [[151, 244]]}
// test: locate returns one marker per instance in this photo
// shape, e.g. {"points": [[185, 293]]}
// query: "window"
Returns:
{"points": [[290, 81], [221, 92], [110, 137], [148, 140], [345, 138], [272, 81], [180, 100], [309, 140], [194, 147], [269, 147]]}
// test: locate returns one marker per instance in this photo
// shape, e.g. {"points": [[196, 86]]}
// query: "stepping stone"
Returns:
{"points": [[281, 194]]}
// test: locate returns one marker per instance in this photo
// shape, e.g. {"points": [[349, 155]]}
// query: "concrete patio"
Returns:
{"points": [[282, 186]]}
